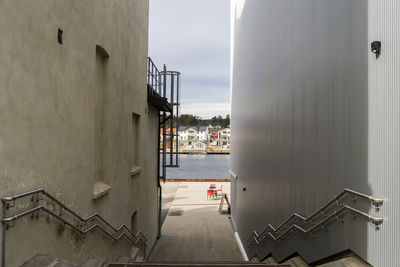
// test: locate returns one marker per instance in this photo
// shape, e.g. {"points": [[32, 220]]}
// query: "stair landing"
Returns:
{"points": [[199, 263], [194, 230]]}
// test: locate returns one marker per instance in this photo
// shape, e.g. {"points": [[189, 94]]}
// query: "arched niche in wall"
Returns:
{"points": [[101, 109]]}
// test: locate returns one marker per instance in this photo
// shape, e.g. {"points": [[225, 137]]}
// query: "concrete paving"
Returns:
{"points": [[168, 194], [201, 233]]}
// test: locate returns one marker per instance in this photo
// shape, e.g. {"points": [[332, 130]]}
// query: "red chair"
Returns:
{"points": [[210, 193]]}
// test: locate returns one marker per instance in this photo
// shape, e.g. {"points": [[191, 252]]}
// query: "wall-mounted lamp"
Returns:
{"points": [[376, 48]]}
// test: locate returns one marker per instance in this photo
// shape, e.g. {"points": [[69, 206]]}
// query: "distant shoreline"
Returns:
{"points": [[201, 152], [197, 180]]}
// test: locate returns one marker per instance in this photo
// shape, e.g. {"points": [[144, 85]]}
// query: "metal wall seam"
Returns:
{"points": [[384, 127]]}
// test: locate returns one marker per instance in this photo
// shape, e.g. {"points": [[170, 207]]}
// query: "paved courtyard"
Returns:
{"points": [[194, 230]]}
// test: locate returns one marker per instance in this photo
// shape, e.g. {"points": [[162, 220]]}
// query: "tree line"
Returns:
{"points": [[221, 122], [193, 120]]}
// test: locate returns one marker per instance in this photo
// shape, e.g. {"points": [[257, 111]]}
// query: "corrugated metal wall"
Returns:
{"points": [[384, 128], [310, 118]]}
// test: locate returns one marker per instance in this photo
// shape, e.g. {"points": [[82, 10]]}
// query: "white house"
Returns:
{"points": [[202, 133], [190, 135], [224, 137], [193, 133]]}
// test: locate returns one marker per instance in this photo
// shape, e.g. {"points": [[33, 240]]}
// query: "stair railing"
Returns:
{"points": [[58, 210], [310, 224]]}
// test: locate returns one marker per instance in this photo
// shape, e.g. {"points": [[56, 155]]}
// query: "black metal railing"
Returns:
{"points": [[164, 91], [154, 79]]}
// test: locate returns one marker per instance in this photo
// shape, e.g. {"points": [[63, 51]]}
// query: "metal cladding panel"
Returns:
{"points": [[300, 119], [384, 128]]}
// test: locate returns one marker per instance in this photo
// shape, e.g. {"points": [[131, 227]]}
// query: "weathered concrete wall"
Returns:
{"points": [[52, 116]]}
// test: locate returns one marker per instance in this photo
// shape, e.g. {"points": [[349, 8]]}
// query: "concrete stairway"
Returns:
{"points": [[51, 261], [199, 263], [349, 260], [295, 261]]}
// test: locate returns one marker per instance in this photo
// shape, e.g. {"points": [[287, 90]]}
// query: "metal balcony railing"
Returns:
{"points": [[42, 201], [319, 219], [154, 80], [163, 93]]}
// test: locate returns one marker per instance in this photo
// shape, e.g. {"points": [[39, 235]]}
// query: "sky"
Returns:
{"points": [[192, 36]]}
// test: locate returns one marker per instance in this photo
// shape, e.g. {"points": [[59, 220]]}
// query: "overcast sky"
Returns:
{"points": [[192, 36]]}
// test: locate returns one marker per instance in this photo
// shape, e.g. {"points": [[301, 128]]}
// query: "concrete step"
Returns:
{"points": [[270, 260], [255, 259], [352, 261], [136, 256], [198, 263], [47, 261], [296, 261], [98, 262]]}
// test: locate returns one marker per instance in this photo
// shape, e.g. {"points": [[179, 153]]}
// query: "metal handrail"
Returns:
{"points": [[154, 79], [83, 232], [117, 233], [276, 233]]}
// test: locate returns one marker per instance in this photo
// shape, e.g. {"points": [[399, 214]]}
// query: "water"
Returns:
{"points": [[201, 166]]}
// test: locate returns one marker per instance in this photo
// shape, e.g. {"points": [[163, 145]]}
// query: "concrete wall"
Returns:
{"points": [[59, 131], [300, 119]]}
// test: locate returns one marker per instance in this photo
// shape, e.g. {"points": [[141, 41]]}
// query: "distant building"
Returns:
{"points": [[213, 139], [201, 137], [211, 130], [194, 145], [167, 132], [224, 137], [193, 133]]}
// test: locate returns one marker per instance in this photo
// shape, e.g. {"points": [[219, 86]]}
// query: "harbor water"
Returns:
{"points": [[201, 166]]}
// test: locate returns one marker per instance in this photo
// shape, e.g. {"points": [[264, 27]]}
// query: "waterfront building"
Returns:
{"points": [[210, 136], [213, 139], [220, 137], [194, 146], [224, 137], [168, 130], [187, 134], [202, 133], [212, 133], [315, 119], [193, 133]]}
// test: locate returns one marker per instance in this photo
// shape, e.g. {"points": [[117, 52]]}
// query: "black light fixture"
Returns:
{"points": [[376, 48], [60, 36]]}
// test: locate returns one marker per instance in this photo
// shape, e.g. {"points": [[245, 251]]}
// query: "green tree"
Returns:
{"points": [[189, 120], [219, 121], [226, 122], [214, 121]]}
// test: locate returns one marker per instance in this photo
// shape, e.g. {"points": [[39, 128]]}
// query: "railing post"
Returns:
{"points": [[177, 121], [165, 81], [171, 130]]}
